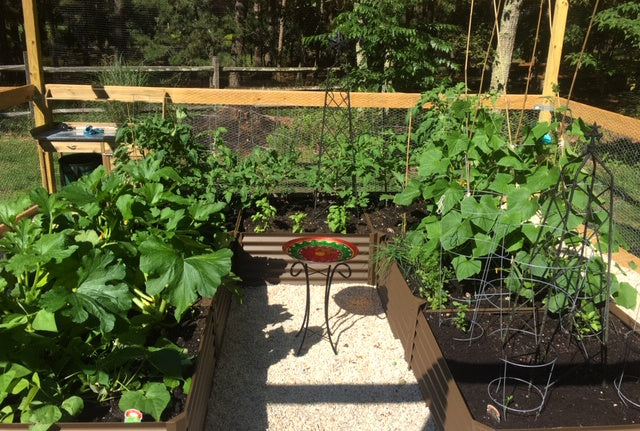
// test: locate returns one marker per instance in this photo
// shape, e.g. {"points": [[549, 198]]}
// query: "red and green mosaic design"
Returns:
{"points": [[320, 249]]}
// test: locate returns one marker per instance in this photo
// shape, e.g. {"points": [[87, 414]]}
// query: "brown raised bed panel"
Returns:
{"points": [[195, 412], [401, 306], [259, 258]]}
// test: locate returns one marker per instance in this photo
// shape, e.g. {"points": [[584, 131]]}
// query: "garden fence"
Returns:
{"points": [[298, 128]]}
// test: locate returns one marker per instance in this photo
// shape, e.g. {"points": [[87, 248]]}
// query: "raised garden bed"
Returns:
{"points": [[454, 376], [210, 332], [260, 258], [401, 306]]}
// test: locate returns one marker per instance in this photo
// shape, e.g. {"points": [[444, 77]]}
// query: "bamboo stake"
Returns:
{"points": [[406, 171]]}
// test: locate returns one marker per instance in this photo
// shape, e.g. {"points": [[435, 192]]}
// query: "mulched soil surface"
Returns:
{"points": [[582, 392]]}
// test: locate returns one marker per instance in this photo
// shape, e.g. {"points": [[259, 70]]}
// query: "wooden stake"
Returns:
{"points": [[554, 56]]}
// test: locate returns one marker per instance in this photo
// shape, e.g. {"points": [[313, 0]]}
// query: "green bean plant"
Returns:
{"points": [[484, 194]]}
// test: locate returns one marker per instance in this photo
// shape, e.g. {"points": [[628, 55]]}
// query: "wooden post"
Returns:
{"points": [[27, 78], [41, 111], [42, 114], [214, 79], [554, 56]]}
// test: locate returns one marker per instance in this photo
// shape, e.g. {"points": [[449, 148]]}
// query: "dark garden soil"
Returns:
{"points": [[379, 216], [582, 391], [186, 335]]}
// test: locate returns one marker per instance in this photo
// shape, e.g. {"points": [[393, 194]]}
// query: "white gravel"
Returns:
{"points": [[261, 385]]}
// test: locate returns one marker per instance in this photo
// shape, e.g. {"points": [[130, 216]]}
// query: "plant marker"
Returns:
{"points": [[133, 416]]}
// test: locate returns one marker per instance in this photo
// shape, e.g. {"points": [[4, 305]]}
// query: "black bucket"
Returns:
{"points": [[74, 166]]}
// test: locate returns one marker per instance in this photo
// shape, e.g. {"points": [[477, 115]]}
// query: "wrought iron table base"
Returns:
{"points": [[329, 273]]}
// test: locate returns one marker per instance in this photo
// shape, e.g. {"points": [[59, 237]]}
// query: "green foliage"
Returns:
{"points": [[209, 169], [265, 215], [587, 322], [396, 49], [368, 163], [338, 218], [623, 18], [298, 221], [90, 280], [181, 148], [153, 398], [259, 174], [380, 161], [433, 279], [420, 265], [485, 196], [610, 63], [120, 73], [462, 308], [201, 31]]}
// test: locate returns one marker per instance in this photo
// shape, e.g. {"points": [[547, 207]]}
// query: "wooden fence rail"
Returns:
{"points": [[9, 96], [215, 70]]}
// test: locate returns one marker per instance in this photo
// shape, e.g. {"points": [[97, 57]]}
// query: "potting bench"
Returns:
{"points": [[73, 138]]}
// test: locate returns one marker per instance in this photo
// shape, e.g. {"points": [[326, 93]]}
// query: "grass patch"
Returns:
{"points": [[19, 165]]}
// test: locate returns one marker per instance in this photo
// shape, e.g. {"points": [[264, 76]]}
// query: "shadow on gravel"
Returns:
{"points": [[238, 395], [255, 339]]}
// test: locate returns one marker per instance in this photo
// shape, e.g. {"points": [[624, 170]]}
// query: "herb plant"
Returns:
{"points": [[265, 215], [338, 218], [298, 221]]}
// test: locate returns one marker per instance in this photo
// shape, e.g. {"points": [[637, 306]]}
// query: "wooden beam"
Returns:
{"points": [[616, 123], [12, 96], [28, 213], [554, 55], [106, 93], [42, 114], [213, 96]]}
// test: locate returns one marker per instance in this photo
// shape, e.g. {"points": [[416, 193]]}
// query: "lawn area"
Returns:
{"points": [[19, 168]]}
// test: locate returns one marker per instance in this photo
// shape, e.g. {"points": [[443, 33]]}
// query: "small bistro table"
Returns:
{"points": [[328, 255]]}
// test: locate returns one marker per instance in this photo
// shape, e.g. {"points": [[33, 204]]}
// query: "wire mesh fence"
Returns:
{"points": [[299, 129]]}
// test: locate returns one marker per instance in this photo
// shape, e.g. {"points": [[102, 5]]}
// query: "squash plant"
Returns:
{"points": [[484, 195], [91, 284]]}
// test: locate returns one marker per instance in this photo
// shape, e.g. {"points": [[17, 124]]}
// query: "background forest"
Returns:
{"points": [[408, 45]]}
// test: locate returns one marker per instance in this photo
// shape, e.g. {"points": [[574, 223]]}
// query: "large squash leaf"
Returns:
{"points": [[96, 289], [181, 278]]}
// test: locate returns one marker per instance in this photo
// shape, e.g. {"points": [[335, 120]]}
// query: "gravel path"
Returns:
{"points": [[261, 385]]}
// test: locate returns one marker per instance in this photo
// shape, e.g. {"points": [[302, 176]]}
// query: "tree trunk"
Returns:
{"points": [[238, 41], [506, 41], [281, 34], [119, 29]]}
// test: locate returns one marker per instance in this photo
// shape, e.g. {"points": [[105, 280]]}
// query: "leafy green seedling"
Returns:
{"points": [[298, 221]]}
